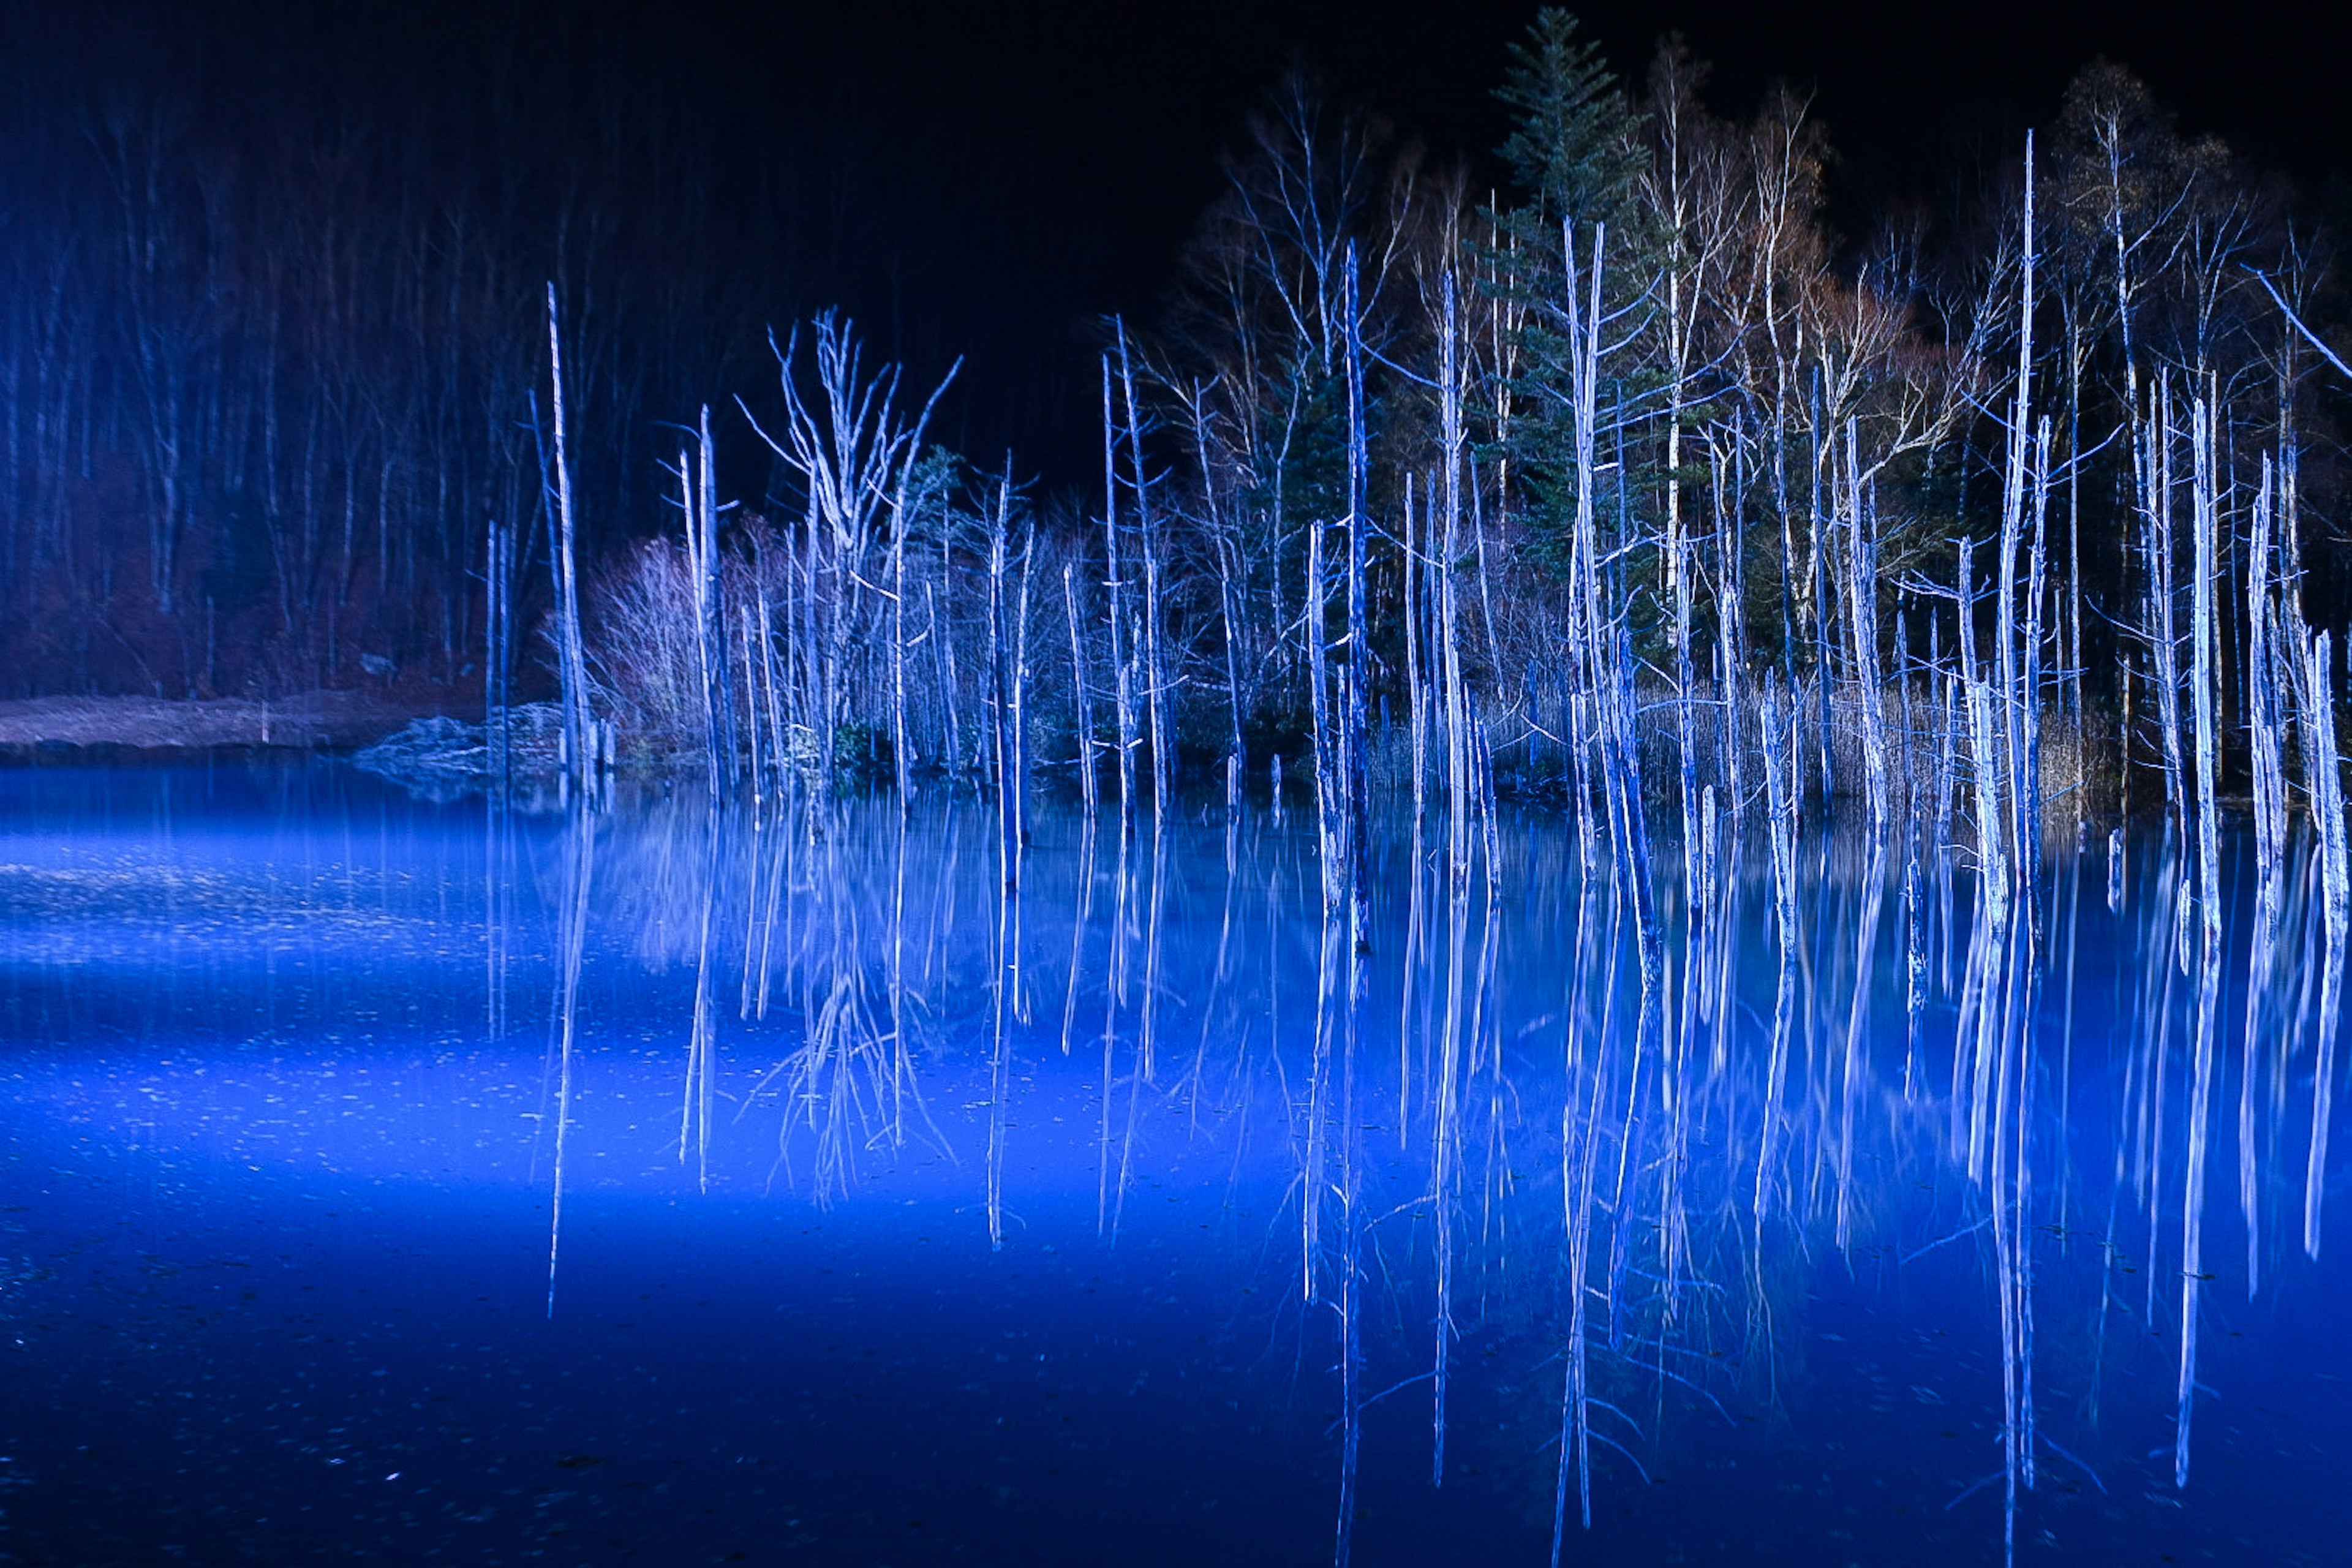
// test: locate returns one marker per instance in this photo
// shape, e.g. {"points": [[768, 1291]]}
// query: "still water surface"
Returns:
{"points": [[386, 1180]]}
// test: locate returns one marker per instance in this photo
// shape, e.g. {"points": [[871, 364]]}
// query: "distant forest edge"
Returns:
{"points": [[1638, 444]]}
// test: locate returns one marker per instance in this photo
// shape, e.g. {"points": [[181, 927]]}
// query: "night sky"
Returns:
{"points": [[991, 179], [1099, 126]]}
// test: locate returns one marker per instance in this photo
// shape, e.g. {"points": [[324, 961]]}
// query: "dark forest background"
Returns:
{"points": [[273, 362]]}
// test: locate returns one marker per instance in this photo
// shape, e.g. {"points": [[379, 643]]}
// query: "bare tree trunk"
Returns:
{"points": [[902, 748], [497, 615], [1156, 686], [2203, 419], [2164, 640], [1007, 682], [689, 506], [1155, 676], [1082, 704], [1123, 690], [1416, 657], [1228, 549], [2323, 768], [1021, 694], [1862, 618], [1353, 783], [2026, 799], [572, 659], [2019, 441], [1449, 651]]}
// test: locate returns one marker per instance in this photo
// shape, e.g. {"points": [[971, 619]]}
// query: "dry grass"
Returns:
{"points": [[312, 720]]}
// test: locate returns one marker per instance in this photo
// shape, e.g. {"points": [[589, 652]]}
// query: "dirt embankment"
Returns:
{"points": [[40, 727]]}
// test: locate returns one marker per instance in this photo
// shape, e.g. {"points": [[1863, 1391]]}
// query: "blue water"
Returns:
{"points": [[386, 1180]]}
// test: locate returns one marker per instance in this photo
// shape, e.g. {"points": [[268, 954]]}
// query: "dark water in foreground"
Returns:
{"points": [[853, 1213]]}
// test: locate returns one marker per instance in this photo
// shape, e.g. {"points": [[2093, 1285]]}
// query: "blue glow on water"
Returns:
{"points": [[900, 1220]]}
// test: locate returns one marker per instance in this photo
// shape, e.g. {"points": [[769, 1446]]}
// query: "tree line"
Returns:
{"points": [[1458, 486], [1451, 480], [272, 355]]}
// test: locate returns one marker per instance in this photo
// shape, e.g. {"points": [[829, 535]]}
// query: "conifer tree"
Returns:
{"points": [[1575, 150]]}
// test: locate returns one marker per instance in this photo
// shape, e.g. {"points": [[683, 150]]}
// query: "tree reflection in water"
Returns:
{"points": [[1495, 1119]]}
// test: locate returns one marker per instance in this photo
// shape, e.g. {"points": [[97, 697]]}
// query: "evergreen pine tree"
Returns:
{"points": [[1576, 151]]}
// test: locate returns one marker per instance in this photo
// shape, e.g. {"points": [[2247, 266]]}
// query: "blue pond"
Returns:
{"points": [[387, 1179]]}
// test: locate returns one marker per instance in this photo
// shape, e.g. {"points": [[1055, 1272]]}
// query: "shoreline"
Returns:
{"points": [[66, 729]]}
